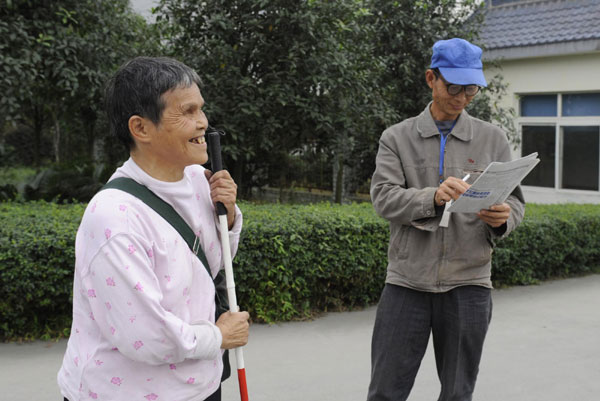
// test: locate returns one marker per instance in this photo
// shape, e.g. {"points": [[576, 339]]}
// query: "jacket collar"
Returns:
{"points": [[426, 127]]}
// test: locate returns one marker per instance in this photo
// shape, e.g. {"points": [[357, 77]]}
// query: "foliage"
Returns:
{"points": [[487, 106], [17, 149], [55, 57], [405, 33], [15, 175], [280, 77], [553, 241], [65, 182], [295, 260], [292, 262], [297, 85], [299, 80], [11, 179], [36, 268]]}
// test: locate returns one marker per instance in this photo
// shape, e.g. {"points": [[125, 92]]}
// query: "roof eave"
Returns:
{"points": [[543, 50]]}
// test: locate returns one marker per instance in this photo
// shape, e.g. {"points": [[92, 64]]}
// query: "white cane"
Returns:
{"points": [[214, 144]]}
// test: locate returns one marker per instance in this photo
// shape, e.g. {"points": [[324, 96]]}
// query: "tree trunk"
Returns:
{"points": [[238, 172], [338, 178], [98, 150], [283, 183], [94, 144], [56, 138], [38, 124]]}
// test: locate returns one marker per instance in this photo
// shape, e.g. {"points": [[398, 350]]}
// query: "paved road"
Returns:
{"points": [[543, 345]]}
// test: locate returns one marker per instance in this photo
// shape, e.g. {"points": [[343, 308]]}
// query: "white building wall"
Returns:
{"points": [[558, 74], [549, 75]]}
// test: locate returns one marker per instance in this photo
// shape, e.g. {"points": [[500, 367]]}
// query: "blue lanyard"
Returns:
{"points": [[443, 139]]}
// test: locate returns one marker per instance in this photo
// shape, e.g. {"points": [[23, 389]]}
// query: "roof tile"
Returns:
{"points": [[529, 23]]}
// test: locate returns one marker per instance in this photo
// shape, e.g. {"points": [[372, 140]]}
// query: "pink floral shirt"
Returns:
{"points": [[143, 303]]}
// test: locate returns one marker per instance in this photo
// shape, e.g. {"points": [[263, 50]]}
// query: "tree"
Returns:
{"points": [[405, 31], [487, 106], [56, 56], [292, 81], [357, 102], [280, 76], [403, 35]]}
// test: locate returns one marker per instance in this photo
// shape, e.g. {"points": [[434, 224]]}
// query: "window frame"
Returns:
{"points": [[558, 122]]}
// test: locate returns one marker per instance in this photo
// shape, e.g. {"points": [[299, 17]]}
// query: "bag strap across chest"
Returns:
{"points": [[165, 210]]}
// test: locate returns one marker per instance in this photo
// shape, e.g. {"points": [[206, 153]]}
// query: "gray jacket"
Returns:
{"points": [[421, 255]]}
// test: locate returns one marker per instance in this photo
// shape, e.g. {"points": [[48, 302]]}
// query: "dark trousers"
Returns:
{"points": [[216, 396], [457, 319]]}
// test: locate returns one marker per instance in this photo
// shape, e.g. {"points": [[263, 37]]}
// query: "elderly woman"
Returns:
{"points": [[143, 303]]}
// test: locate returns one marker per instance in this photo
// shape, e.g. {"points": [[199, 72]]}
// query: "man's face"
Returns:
{"points": [[445, 106], [178, 139]]}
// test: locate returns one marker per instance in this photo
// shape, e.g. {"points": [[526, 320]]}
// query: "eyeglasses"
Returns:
{"points": [[454, 89]]}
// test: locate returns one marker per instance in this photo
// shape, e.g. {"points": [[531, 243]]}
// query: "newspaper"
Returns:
{"points": [[494, 185]]}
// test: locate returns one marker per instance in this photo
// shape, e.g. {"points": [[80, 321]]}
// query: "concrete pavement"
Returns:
{"points": [[543, 344]]}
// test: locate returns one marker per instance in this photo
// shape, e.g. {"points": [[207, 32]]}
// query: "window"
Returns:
{"points": [[565, 131], [583, 104], [580, 157], [503, 2], [538, 105], [540, 139]]}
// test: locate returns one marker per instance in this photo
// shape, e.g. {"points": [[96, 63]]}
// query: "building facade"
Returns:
{"points": [[549, 54]]}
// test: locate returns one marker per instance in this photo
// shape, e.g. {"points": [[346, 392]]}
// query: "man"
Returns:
{"points": [[438, 279], [143, 303]]}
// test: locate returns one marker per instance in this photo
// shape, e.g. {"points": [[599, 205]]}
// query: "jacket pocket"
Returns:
{"points": [[399, 243], [468, 243]]}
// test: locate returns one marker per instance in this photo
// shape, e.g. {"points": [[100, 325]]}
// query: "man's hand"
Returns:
{"points": [[234, 328], [449, 190], [496, 215], [223, 189]]}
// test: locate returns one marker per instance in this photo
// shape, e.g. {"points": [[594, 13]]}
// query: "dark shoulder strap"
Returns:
{"points": [[164, 209]]}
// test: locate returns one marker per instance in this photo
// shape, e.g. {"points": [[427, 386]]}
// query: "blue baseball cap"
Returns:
{"points": [[459, 62]]}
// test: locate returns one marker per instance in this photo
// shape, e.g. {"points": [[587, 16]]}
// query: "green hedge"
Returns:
{"points": [[293, 261], [552, 241], [37, 252]]}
